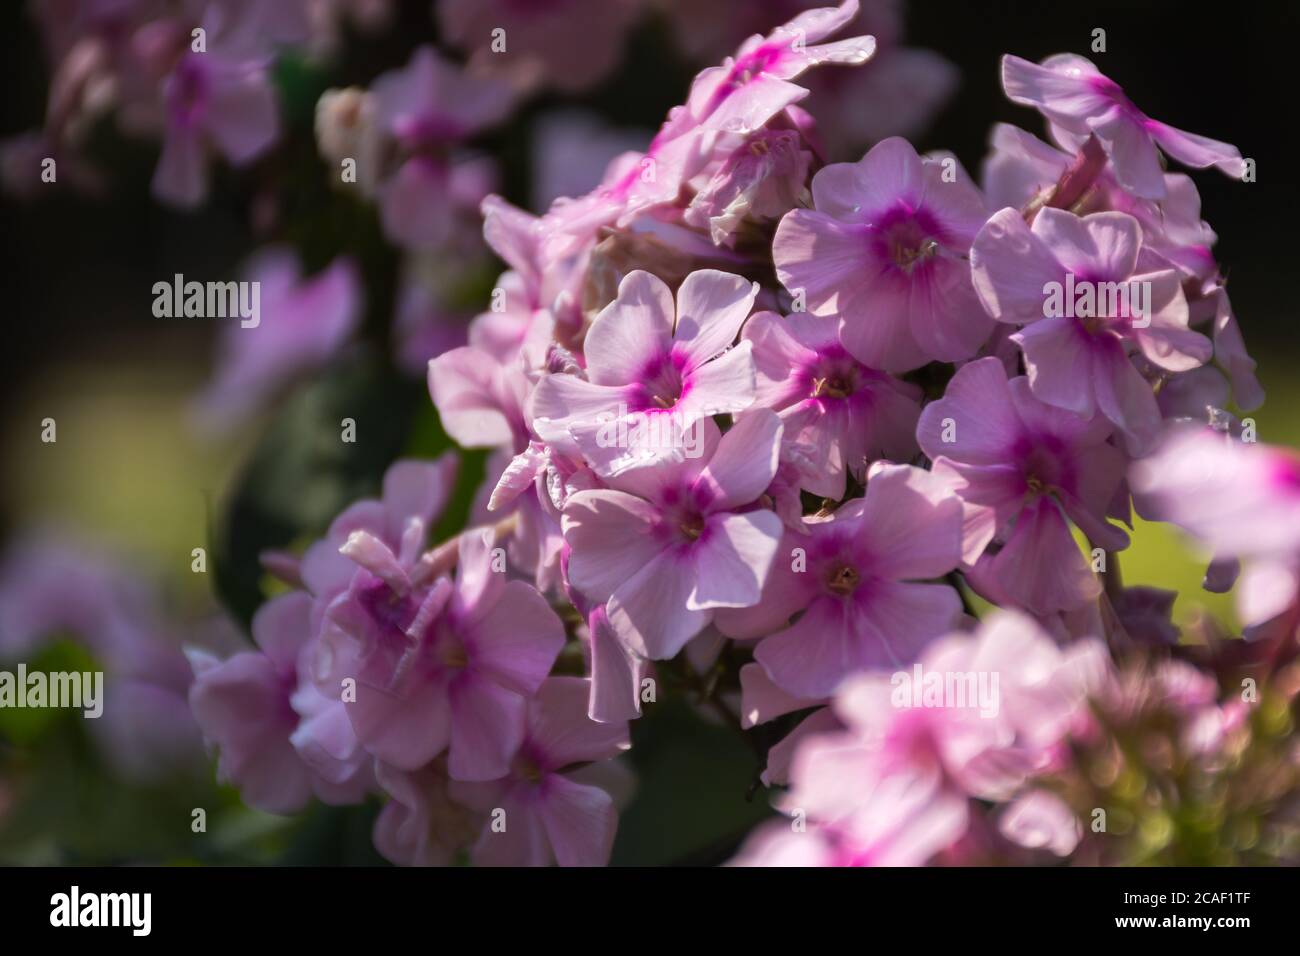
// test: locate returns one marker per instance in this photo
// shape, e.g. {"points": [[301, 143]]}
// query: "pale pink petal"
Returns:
{"points": [[464, 385], [564, 399], [516, 642], [561, 731], [1011, 268], [610, 534], [744, 463], [1125, 397], [811, 657], [1167, 341], [1061, 361], [1102, 247], [732, 559], [898, 619], [891, 171], [1267, 590], [724, 385], [487, 728], [650, 610], [1062, 94], [944, 314], [615, 674], [711, 307], [786, 592], [1041, 566], [1132, 154], [975, 420], [522, 842], [1039, 819], [1196, 151], [417, 489], [407, 732], [912, 523], [631, 331], [281, 627], [580, 822]]}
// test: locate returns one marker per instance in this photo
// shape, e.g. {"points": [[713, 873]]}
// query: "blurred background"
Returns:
{"points": [[137, 486]]}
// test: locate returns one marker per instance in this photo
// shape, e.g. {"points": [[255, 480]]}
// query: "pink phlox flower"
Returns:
{"points": [[846, 414], [985, 745], [303, 323], [421, 824], [655, 370], [244, 706], [725, 103], [427, 109], [1077, 286], [443, 665], [413, 492], [853, 585], [220, 99], [1024, 471], [884, 249], [1242, 500], [668, 544], [551, 810], [1079, 101], [1021, 170]]}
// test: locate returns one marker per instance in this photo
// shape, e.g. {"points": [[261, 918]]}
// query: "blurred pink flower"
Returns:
{"points": [[244, 706], [221, 99], [303, 324], [548, 811]]}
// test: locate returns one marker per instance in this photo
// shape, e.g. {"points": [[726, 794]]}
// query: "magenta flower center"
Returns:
{"points": [[683, 517], [1286, 474], [663, 383], [390, 610], [906, 237], [451, 651], [1042, 464], [836, 375], [843, 579], [188, 99], [427, 133], [526, 767]]}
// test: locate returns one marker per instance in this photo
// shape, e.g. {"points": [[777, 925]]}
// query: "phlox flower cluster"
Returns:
{"points": [[798, 429], [741, 395]]}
